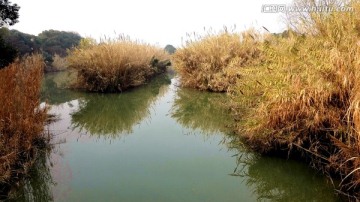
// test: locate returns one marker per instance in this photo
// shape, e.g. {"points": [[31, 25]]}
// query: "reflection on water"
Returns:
{"points": [[55, 88], [37, 186], [115, 114], [157, 162], [275, 179], [202, 111]]}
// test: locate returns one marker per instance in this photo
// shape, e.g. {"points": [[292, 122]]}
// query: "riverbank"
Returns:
{"points": [[22, 121], [300, 93]]}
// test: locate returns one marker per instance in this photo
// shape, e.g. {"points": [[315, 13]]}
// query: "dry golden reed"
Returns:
{"points": [[21, 118], [115, 65], [212, 62], [59, 63], [293, 93], [305, 97]]}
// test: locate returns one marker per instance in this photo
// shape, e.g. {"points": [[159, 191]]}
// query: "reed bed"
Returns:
{"points": [[295, 94], [59, 63], [21, 118], [212, 62], [304, 100], [115, 65]]}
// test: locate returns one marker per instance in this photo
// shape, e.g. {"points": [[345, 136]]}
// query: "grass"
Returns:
{"points": [[59, 63], [21, 118], [212, 62], [296, 94], [116, 65], [305, 98]]}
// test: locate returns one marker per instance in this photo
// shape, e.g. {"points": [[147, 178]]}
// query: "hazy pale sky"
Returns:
{"points": [[157, 22]]}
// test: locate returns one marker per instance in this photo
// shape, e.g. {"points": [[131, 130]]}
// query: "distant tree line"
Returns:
{"points": [[9, 14], [49, 43]]}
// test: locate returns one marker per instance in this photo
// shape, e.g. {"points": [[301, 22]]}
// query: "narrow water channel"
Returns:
{"points": [[158, 142]]}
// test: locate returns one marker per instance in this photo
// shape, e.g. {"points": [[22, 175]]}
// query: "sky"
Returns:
{"points": [[158, 22]]}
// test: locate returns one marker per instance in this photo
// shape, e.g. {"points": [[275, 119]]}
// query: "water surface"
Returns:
{"points": [[158, 142]]}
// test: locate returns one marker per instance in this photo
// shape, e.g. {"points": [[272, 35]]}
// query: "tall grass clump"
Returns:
{"points": [[305, 99], [212, 62], [116, 65], [59, 63], [21, 118]]}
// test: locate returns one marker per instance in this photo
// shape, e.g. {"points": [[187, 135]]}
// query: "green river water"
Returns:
{"points": [[158, 142]]}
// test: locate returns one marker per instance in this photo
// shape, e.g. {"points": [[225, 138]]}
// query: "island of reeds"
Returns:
{"points": [[115, 65], [295, 94]]}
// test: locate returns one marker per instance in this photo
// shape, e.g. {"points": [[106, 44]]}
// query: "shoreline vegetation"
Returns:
{"points": [[295, 95], [212, 62], [22, 120], [115, 65]]}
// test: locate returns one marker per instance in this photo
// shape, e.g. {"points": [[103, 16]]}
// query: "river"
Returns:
{"points": [[158, 142]]}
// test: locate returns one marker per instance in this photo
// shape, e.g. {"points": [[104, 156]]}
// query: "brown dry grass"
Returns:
{"points": [[212, 62], [292, 94], [115, 65], [306, 97], [59, 63], [21, 119]]}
